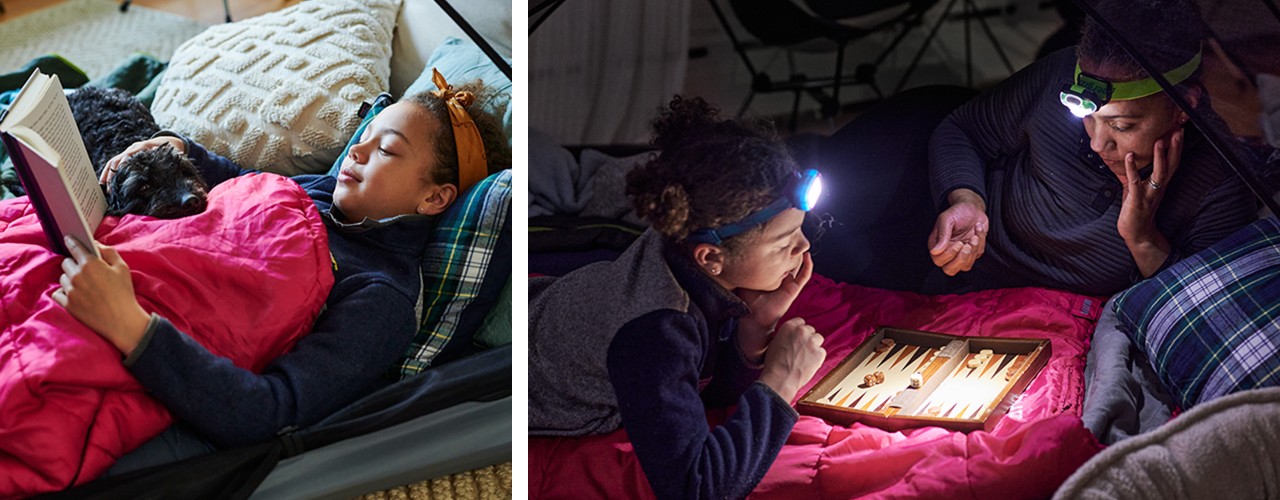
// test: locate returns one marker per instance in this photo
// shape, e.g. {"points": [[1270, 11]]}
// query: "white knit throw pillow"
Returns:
{"points": [[279, 92]]}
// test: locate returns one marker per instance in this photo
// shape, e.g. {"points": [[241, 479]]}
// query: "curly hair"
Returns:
{"points": [[482, 113], [707, 172], [1175, 41]]}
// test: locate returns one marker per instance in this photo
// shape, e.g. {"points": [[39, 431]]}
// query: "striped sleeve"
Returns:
{"points": [[1220, 213], [988, 128]]}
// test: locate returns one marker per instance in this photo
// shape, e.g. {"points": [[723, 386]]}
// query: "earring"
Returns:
{"points": [[715, 271]]}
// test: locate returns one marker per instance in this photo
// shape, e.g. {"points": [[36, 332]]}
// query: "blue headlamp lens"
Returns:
{"points": [[809, 190], [803, 196]]}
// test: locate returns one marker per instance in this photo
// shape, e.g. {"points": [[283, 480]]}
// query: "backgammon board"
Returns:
{"points": [[961, 383]]}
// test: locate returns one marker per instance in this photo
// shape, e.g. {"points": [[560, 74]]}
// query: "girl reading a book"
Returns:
{"points": [[688, 316], [411, 163]]}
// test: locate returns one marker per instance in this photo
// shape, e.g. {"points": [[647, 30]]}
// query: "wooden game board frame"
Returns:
{"points": [[898, 415]]}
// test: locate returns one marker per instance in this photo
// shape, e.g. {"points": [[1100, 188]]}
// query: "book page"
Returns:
{"points": [[53, 123], [51, 160], [36, 84]]}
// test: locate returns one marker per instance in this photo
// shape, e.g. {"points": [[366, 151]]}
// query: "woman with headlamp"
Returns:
{"points": [[1079, 172], [687, 317]]}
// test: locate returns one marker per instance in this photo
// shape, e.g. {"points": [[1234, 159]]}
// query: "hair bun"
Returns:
{"points": [[707, 171], [664, 205]]}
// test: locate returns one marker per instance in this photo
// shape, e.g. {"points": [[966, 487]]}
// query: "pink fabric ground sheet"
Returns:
{"points": [[246, 279], [1028, 454]]}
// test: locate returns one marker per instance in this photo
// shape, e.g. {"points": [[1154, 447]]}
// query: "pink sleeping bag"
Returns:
{"points": [[1028, 454], [246, 279]]}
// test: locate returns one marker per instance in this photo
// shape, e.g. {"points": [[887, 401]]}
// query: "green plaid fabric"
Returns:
{"points": [[1210, 324], [454, 268]]}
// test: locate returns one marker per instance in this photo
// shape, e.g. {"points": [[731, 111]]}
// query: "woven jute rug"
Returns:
{"points": [[487, 483], [92, 34]]}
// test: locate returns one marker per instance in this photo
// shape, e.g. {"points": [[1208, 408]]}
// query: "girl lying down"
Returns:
{"points": [[173, 318]]}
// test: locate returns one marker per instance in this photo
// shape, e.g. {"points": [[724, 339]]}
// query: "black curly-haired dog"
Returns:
{"points": [[159, 182]]}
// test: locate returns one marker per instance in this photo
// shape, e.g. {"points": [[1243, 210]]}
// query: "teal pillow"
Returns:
{"points": [[460, 61], [496, 330], [373, 108]]}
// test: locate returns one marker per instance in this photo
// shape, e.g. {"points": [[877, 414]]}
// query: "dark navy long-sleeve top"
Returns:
{"points": [[647, 342], [667, 367], [1052, 203]]}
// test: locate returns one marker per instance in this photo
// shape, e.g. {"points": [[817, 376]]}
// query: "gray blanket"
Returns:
{"points": [[1123, 398], [558, 184], [1228, 448]]}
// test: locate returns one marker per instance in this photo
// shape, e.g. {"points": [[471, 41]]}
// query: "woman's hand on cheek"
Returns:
{"points": [[767, 307], [1142, 197], [99, 293]]}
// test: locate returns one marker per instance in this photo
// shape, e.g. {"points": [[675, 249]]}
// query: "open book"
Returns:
{"points": [[41, 136]]}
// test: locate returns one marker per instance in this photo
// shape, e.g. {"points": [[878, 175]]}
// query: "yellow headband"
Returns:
{"points": [[473, 163]]}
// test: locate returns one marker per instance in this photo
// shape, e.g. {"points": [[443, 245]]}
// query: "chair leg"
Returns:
{"points": [[226, 9], [876, 88], [906, 29], [746, 103], [795, 110], [968, 49], [795, 101], [991, 36], [832, 107], [920, 53], [124, 6]]}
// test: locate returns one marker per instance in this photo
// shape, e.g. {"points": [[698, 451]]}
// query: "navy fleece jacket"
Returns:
{"points": [[649, 342], [366, 325]]}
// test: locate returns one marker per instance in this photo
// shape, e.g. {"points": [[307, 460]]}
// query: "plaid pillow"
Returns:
{"points": [[1210, 324], [464, 269]]}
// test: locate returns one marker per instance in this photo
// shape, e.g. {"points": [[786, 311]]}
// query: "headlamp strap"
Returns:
{"points": [[794, 195], [1127, 91]]}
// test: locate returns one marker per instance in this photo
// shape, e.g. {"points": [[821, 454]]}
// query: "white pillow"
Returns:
{"points": [[279, 92], [423, 26]]}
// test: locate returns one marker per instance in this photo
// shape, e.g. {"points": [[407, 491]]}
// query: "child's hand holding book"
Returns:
{"points": [[99, 293]]}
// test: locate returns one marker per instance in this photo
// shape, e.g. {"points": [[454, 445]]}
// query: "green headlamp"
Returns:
{"points": [[1087, 92]]}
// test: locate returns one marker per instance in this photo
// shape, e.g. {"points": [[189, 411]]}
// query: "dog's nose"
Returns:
{"points": [[192, 203]]}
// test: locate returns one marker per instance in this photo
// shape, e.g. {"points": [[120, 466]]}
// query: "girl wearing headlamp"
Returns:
{"points": [[1085, 186], [687, 317]]}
